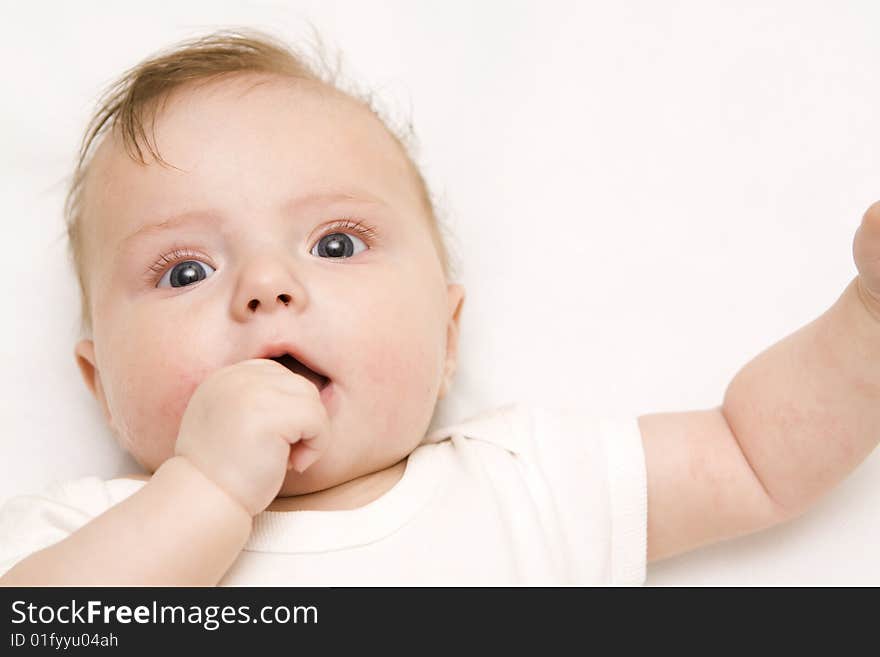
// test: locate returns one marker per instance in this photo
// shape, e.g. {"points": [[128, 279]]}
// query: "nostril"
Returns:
{"points": [[253, 304]]}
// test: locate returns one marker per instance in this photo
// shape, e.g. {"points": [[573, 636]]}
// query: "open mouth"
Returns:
{"points": [[297, 367]]}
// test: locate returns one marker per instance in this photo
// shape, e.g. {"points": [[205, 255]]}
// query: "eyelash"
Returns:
{"points": [[179, 254]]}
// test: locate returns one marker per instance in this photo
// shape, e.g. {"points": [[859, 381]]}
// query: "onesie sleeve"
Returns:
{"points": [[30, 523], [628, 497], [594, 469]]}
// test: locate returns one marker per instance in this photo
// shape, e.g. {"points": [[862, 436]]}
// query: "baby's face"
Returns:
{"points": [[265, 173]]}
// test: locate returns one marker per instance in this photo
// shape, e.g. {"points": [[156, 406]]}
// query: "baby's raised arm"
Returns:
{"points": [[244, 428], [180, 529], [794, 421]]}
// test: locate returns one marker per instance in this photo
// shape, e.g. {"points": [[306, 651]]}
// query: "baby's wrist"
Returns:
{"points": [[180, 467]]}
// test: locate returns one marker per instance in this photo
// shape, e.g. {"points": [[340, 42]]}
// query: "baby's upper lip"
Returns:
{"points": [[277, 349]]}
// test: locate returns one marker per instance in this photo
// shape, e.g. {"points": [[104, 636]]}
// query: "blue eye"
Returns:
{"points": [[183, 267], [337, 245], [186, 273]]}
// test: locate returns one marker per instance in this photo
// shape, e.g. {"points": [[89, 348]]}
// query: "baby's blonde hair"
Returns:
{"points": [[126, 102]]}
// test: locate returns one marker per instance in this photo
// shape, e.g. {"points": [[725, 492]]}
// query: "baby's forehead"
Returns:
{"points": [[238, 101], [280, 122], [244, 136]]}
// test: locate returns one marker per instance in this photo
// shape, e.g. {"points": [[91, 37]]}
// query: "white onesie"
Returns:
{"points": [[520, 495]]}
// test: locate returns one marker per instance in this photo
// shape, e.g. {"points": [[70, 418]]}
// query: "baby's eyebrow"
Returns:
{"points": [[176, 221], [288, 207]]}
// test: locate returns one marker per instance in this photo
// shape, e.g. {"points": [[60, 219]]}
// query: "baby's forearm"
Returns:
{"points": [[806, 411], [178, 530]]}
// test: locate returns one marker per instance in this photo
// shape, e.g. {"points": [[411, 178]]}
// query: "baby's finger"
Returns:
{"points": [[306, 429], [302, 456], [313, 444]]}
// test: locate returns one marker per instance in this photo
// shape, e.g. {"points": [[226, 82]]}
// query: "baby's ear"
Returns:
{"points": [[455, 294], [85, 359]]}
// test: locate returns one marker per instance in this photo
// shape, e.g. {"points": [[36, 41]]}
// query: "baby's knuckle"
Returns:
{"points": [[302, 386], [248, 398]]}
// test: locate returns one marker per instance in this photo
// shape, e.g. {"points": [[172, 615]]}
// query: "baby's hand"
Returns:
{"points": [[247, 424], [866, 251]]}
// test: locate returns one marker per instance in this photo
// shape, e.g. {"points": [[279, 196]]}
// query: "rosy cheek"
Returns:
{"points": [[399, 366], [177, 396], [155, 419]]}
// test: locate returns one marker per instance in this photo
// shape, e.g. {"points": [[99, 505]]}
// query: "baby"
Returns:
{"points": [[272, 323]]}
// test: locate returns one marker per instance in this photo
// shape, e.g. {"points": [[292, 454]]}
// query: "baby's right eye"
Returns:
{"points": [[185, 273]]}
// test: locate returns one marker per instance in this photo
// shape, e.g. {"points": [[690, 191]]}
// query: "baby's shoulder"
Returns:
{"points": [[539, 432], [500, 426]]}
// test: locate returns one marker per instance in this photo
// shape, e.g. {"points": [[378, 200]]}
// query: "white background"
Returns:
{"points": [[644, 196]]}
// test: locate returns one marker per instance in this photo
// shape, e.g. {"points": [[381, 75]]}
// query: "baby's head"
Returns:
{"points": [[218, 243]]}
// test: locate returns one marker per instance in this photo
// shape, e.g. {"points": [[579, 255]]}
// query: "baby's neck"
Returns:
{"points": [[349, 495]]}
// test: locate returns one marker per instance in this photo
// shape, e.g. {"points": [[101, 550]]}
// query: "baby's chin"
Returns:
{"points": [[325, 490], [321, 477], [310, 481], [297, 495]]}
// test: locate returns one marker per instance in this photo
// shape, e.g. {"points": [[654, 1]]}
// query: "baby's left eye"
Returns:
{"points": [[336, 245]]}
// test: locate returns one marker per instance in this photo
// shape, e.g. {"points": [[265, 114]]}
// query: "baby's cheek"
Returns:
{"points": [[157, 414], [402, 368], [405, 336]]}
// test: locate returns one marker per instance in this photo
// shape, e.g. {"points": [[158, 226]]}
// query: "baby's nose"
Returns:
{"points": [[267, 283]]}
